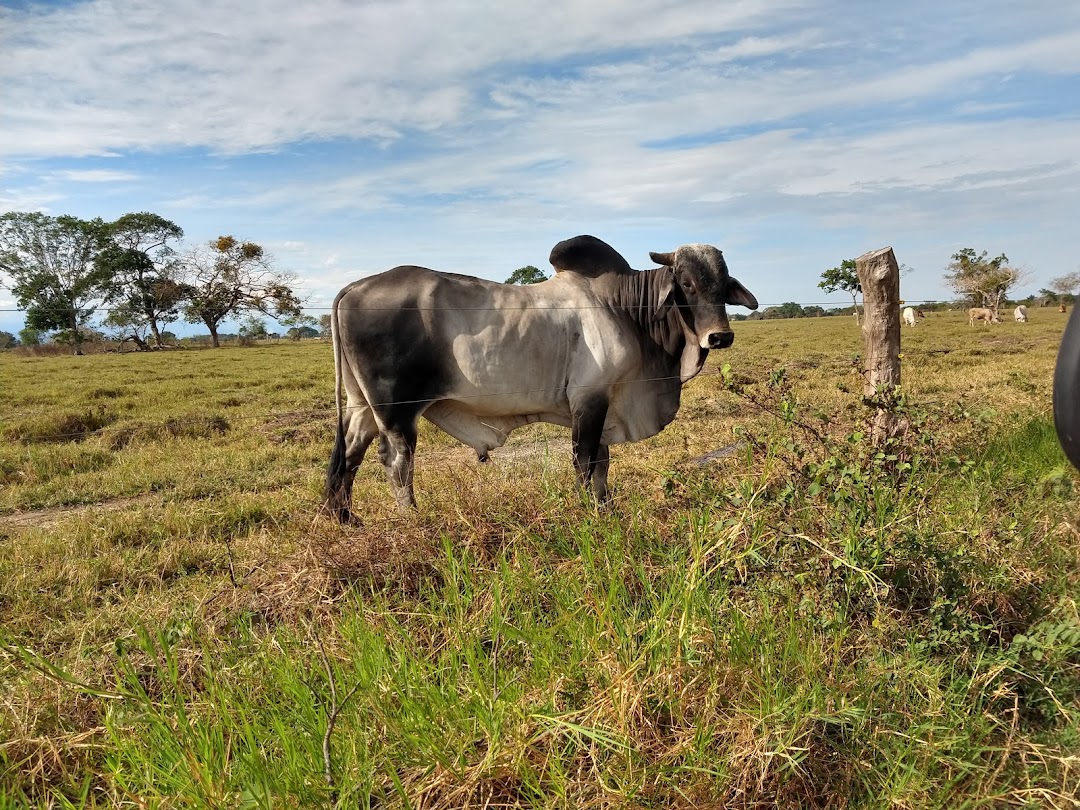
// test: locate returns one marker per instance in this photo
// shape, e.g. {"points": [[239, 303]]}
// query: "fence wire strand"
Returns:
{"points": [[568, 307], [166, 424]]}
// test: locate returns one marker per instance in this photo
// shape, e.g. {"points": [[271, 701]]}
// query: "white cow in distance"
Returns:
{"points": [[1020, 313], [910, 314]]}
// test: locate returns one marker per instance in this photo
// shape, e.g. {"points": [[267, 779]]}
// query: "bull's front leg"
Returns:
{"points": [[590, 456], [599, 475]]}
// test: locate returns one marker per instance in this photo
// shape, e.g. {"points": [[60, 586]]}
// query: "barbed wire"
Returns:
{"points": [[173, 422], [568, 307], [431, 458]]}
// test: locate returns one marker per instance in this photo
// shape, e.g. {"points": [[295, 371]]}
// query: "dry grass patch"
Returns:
{"points": [[203, 426], [66, 427]]}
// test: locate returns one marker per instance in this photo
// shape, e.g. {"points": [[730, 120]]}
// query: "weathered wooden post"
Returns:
{"points": [[879, 275]]}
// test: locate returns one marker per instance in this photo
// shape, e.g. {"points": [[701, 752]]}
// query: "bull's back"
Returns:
{"points": [[413, 334]]}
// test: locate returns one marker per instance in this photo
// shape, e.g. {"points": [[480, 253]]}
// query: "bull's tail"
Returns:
{"points": [[336, 494]]}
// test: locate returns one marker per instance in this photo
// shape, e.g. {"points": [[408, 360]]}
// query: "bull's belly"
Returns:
{"points": [[486, 424], [484, 428]]}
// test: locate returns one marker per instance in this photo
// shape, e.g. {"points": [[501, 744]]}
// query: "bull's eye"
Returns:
{"points": [[686, 285]]}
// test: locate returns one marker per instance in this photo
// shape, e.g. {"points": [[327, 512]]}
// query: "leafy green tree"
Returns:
{"points": [[144, 267], [226, 278], [527, 275], [980, 280], [253, 327], [51, 264], [1048, 296], [298, 322], [843, 278], [125, 323], [29, 336], [789, 309], [8, 340], [324, 326]]}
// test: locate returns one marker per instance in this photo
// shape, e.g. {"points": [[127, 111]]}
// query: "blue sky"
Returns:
{"points": [[349, 137]]}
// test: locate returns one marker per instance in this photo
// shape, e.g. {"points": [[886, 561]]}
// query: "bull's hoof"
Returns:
{"points": [[483, 458], [342, 514]]}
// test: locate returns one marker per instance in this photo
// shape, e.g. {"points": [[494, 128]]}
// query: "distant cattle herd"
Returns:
{"points": [[910, 315]]}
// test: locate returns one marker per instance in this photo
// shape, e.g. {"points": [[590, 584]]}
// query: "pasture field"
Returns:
{"points": [[804, 621]]}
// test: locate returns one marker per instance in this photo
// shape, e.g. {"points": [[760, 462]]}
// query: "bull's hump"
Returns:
{"points": [[587, 256]]}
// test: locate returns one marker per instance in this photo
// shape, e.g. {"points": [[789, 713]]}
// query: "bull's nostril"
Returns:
{"points": [[721, 340]]}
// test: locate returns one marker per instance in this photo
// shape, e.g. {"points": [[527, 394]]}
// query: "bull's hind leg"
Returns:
{"points": [[397, 448], [355, 433]]}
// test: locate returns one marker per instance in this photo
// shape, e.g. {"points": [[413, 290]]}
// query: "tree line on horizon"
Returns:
{"points": [[63, 270]]}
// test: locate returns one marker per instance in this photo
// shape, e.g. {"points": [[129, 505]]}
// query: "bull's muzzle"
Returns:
{"points": [[721, 340]]}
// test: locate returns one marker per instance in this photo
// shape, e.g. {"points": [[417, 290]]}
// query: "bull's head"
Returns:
{"points": [[701, 288]]}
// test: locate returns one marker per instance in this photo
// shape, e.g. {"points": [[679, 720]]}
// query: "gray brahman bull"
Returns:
{"points": [[599, 348]]}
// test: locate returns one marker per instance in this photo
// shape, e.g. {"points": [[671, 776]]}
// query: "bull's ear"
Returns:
{"points": [[665, 293], [739, 295], [666, 259]]}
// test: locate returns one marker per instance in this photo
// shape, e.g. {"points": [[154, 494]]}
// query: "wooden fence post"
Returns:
{"points": [[879, 275]]}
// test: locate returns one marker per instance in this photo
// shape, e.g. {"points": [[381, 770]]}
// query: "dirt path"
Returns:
{"points": [[516, 452], [54, 514]]}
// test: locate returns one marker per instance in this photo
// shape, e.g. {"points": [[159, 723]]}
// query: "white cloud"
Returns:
{"points": [[83, 79], [95, 176]]}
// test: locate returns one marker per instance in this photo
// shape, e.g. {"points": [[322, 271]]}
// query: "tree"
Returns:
{"points": [[126, 323], [227, 277], [526, 275], [29, 336], [324, 326], [253, 327], [789, 309], [53, 272], [843, 278], [982, 281], [1066, 285], [144, 267], [298, 323], [1047, 297], [8, 340]]}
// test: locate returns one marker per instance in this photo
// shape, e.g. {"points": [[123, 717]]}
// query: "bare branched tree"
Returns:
{"points": [[226, 278], [982, 281], [1066, 284]]}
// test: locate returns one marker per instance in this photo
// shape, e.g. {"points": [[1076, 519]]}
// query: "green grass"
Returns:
{"points": [[807, 622]]}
